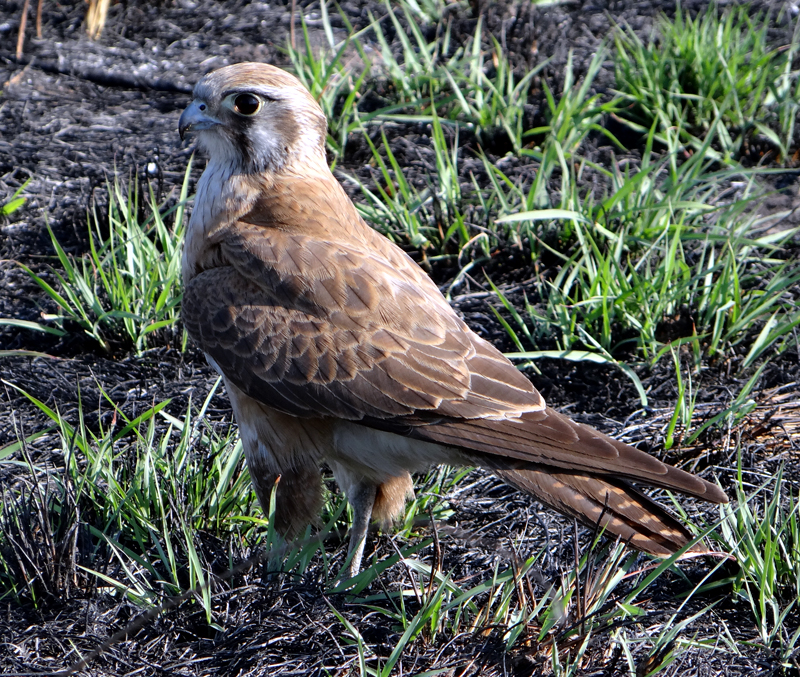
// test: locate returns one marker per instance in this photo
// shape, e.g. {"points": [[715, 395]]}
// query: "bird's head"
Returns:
{"points": [[256, 117]]}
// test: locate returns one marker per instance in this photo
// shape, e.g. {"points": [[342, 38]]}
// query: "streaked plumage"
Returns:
{"points": [[336, 347]]}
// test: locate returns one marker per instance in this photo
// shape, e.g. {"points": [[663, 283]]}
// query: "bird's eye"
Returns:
{"points": [[247, 104]]}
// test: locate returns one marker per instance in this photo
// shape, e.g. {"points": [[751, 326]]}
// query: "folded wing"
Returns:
{"points": [[329, 329]]}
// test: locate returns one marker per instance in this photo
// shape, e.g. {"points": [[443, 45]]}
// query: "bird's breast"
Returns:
{"points": [[223, 195]]}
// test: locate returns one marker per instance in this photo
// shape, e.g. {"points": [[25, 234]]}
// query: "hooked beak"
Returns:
{"points": [[196, 118]]}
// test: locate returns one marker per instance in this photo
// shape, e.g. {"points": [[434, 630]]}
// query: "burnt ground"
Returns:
{"points": [[75, 113]]}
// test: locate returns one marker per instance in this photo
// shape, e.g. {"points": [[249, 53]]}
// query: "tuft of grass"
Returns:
{"points": [[556, 626], [667, 237], [444, 220], [415, 74], [127, 288], [154, 506], [331, 74], [762, 534], [489, 98], [15, 202], [132, 510], [570, 120], [429, 218], [718, 66], [456, 82]]}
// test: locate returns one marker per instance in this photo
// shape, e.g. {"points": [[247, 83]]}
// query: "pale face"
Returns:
{"points": [[256, 118]]}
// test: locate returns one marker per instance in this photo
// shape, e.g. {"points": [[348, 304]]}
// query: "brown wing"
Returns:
{"points": [[357, 331], [318, 328]]}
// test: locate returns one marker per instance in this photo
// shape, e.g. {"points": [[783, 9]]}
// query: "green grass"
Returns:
{"points": [[489, 103], [137, 509], [462, 84], [138, 495], [428, 218], [143, 491], [668, 239], [15, 202], [663, 239], [716, 66], [448, 222], [134, 508], [763, 536], [127, 288], [675, 234], [334, 76]]}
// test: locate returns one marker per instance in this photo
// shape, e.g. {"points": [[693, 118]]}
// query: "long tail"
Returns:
{"points": [[573, 468], [614, 504], [550, 441]]}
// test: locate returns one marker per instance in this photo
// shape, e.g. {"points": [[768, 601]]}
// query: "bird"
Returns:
{"points": [[337, 348]]}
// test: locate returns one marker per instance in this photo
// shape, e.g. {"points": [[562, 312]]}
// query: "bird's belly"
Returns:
{"points": [[380, 455], [275, 442]]}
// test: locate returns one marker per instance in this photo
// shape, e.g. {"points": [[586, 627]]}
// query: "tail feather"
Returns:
{"points": [[613, 504], [547, 439]]}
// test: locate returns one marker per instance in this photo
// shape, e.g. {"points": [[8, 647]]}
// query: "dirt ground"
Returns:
{"points": [[73, 114]]}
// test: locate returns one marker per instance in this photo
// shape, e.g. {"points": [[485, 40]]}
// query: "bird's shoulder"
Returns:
{"points": [[305, 244]]}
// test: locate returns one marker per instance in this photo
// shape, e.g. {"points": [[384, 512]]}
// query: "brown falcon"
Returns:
{"points": [[336, 347]]}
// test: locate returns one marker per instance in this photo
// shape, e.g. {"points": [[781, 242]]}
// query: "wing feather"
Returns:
{"points": [[610, 503], [331, 329], [551, 442]]}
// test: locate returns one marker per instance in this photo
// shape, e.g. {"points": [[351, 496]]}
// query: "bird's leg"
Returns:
{"points": [[362, 498]]}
